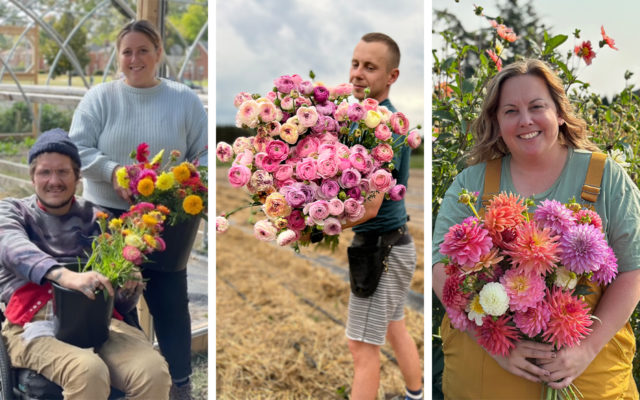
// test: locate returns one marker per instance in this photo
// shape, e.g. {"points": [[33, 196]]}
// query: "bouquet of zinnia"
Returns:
{"points": [[180, 187], [125, 242], [513, 275], [314, 160]]}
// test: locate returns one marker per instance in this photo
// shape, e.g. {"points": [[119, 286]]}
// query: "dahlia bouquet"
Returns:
{"points": [[315, 159], [512, 275], [180, 187], [125, 242]]}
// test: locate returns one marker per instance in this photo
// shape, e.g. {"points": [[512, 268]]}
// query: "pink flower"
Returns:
{"points": [[414, 139], [277, 150], [284, 172], [266, 111], [306, 169], [258, 159], [497, 336], [295, 197], [336, 207], [132, 254], [245, 158], [608, 269], [358, 161], [497, 60], [287, 237], [466, 243], [399, 123], [353, 209], [284, 84], [318, 211], [383, 132], [327, 165], [241, 98], [534, 249], [504, 32], [525, 289], [533, 321], [265, 230], [222, 224], [239, 175], [383, 152], [355, 112], [224, 152], [260, 142], [586, 216], [307, 146], [260, 181], [350, 177], [583, 248], [569, 320], [585, 51], [381, 180], [459, 319], [554, 215], [329, 188], [370, 104], [273, 128], [142, 152], [295, 220], [331, 227], [452, 294], [342, 112], [287, 103], [397, 192], [308, 116], [343, 89], [320, 94], [248, 113], [606, 39], [241, 144]]}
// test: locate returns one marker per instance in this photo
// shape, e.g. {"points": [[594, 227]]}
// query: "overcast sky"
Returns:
{"points": [[620, 20], [258, 41]]}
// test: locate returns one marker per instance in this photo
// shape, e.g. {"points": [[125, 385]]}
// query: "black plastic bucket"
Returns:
{"points": [[179, 239]]}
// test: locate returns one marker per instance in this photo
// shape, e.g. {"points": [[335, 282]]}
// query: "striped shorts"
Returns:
{"points": [[369, 317]]}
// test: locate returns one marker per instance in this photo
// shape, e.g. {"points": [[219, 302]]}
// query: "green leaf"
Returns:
{"points": [[469, 85], [552, 43], [446, 115]]}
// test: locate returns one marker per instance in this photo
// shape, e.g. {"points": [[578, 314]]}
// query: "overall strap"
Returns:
{"points": [[491, 181], [591, 187]]}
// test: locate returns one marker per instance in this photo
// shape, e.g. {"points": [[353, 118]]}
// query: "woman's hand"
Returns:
{"points": [[124, 193], [569, 363], [519, 362]]}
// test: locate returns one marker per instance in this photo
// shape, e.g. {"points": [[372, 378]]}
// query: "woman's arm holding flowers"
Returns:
{"points": [[613, 311], [371, 208]]}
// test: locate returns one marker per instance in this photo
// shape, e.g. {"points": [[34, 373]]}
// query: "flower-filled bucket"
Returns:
{"points": [[80, 321], [179, 239]]}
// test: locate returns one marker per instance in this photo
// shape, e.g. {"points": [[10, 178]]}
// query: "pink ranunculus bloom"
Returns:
{"points": [[386, 114], [222, 224], [132, 254], [307, 146], [399, 123], [356, 112], [318, 210], [307, 169], [297, 79], [350, 177], [370, 104], [358, 161], [277, 150], [287, 237], [332, 226], [260, 142], [260, 181], [327, 109], [303, 102], [328, 137], [397, 192], [287, 103], [241, 98], [329, 188], [284, 172], [295, 197], [328, 148], [343, 89], [270, 165], [357, 213], [466, 243], [241, 143], [258, 159], [239, 175], [273, 128], [248, 113], [245, 158], [382, 132], [289, 133], [381, 180], [414, 139], [267, 111], [271, 96], [358, 148], [342, 111], [305, 88], [383, 152], [224, 152], [320, 94], [308, 116], [284, 84], [327, 165], [336, 207], [295, 220], [265, 230]]}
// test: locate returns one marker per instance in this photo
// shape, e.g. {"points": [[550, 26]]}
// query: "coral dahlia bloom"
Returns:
{"points": [[585, 51], [554, 215], [525, 289], [466, 243], [583, 249], [496, 59], [533, 321], [498, 336], [505, 211], [452, 295], [534, 249], [607, 40], [569, 319]]}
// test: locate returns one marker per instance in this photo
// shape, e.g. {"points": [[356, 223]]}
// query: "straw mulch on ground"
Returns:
{"points": [[279, 319]]}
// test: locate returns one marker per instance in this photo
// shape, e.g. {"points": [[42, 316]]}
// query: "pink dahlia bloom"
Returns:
{"points": [[497, 336], [533, 321], [569, 319], [583, 248], [466, 243], [586, 216], [452, 295], [525, 288], [554, 215], [459, 319], [608, 270], [534, 249]]}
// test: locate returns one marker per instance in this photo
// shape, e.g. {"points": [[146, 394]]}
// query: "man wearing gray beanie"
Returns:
{"points": [[38, 234]]}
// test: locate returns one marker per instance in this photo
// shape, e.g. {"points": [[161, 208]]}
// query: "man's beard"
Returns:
{"points": [[55, 206]]}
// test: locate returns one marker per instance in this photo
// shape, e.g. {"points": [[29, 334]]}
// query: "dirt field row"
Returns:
{"points": [[279, 317]]}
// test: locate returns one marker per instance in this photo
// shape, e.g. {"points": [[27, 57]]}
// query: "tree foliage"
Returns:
{"points": [[49, 47]]}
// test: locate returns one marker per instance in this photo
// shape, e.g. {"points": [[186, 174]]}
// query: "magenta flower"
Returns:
{"points": [[466, 243], [525, 289], [533, 321], [132, 254], [329, 188], [331, 226], [224, 152], [320, 94], [354, 192], [554, 215], [355, 112], [608, 270], [350, 177], [239, 175], [284, 84], [452, 294], [295, 220], [583, 249], [397, 192], [277, 150], [399, 123]]}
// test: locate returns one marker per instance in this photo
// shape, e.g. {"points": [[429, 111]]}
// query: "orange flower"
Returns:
{"points": [[192, 204], [181, 173], [504, 32], [504, 212], [606, 39], [101, 215], [443, 90], [585, 51], [163, 209], [495, 59], [145, 187]]}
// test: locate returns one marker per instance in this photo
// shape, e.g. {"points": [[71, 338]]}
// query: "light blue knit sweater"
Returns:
{"points": [[114, 118]]}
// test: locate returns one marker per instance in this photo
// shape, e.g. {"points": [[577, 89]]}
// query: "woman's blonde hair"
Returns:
{"points": [[486, 132]]}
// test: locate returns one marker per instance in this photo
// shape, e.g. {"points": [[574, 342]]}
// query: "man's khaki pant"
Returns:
{"points": [[126, 361]]}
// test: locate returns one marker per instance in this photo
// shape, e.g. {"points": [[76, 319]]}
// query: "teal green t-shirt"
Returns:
{"points": [[618, 203]]}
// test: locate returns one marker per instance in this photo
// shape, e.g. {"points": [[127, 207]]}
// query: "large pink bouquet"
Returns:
{"points": [[513, 275], [315, 158]]}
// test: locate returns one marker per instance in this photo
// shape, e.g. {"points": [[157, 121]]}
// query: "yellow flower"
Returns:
{"points": [[122, 177], [115, 224], [149, 220], [165, 181], [134, 240], [181, 173], [276, 206], [150, 240], [192, 204], [157, 158], [145, 187], [372, 119]]}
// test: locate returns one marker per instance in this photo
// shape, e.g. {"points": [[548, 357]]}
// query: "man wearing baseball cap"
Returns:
{"points": [[37, 234]]}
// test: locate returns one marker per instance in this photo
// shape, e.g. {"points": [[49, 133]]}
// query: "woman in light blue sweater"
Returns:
{"points": [[112, 120]]}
